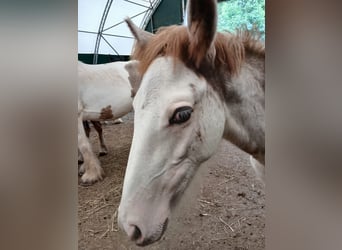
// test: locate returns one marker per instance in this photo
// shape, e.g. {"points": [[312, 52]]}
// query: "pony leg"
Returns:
{"points": [[259, 169], [98, 128], [90, 169], [86, 128]]}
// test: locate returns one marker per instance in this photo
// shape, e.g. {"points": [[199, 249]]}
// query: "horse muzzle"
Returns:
{"points": [[142, 231]]}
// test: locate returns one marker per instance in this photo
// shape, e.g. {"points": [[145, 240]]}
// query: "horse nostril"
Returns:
{"points": [[136, 233]]}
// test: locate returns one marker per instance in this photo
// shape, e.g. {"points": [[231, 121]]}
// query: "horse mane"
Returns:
{"points": [[230, 49]]}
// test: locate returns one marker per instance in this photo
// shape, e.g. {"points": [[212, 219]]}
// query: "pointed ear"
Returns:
{"points": [[202, 22], [142, 37], [134, 76]]}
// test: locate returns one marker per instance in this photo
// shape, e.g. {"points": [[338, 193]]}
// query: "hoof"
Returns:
{"points": [[102, 153], [87, 184], [118, 121], [91, 176], [103, 150]]}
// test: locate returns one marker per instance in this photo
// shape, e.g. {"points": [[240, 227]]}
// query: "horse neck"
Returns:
{"points": [[245, 113]]}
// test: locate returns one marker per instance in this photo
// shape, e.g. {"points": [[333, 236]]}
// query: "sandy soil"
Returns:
{"points": [[224, 207]]}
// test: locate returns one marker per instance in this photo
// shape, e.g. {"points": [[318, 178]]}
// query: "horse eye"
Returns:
{"points": [[181, 115]]}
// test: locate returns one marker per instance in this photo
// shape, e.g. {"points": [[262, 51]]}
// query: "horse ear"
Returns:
{"points": [[134, 76], [142, 37], [202, 22]]}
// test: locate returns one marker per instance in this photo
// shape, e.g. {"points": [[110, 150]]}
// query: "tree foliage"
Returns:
{"points": [[234, 14]]}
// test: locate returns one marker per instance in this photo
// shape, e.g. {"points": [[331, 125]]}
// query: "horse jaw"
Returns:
{"points": [[163, 157]]}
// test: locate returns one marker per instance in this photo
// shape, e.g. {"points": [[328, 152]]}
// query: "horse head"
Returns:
{"points": [[180, 115]]}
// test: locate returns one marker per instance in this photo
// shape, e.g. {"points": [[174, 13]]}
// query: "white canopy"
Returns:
{"points": [[101, 29]]}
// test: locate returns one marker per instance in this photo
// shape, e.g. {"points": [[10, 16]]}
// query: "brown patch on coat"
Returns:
{"points": [[106, 113]]}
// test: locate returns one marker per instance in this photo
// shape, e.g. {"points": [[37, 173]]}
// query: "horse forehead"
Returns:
{"points": [[163, 79], [168, 71]]}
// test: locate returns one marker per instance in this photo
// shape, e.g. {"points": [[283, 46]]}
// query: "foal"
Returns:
{"points": [[198, 86]]}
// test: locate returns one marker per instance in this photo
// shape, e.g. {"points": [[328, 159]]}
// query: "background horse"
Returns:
{"points": [[198, 86], [105, 93]]}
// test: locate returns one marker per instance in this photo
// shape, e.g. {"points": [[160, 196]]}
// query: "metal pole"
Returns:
{"points": [[100, 30]]}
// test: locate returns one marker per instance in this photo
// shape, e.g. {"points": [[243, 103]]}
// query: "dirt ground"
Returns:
{"points": [[224, 207]]}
